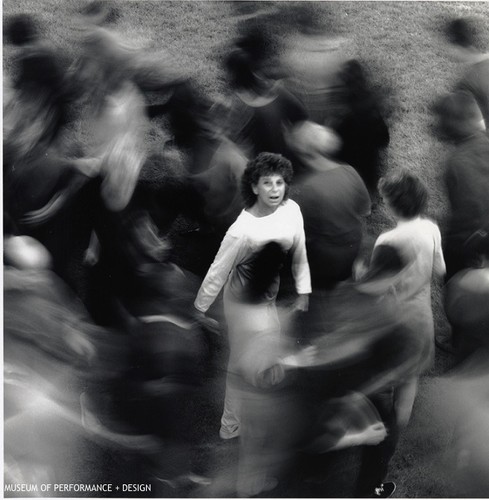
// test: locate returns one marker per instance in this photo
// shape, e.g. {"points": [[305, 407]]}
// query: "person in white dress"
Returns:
{"points": [[418, 240]]}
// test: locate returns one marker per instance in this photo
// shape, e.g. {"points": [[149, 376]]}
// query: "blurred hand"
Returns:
{"points": [[306, 357], [360, 269], [374, 434], [301, 303], [209, 324], [90, 167]]}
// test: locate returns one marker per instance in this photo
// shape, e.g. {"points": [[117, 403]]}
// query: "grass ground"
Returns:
{"points": [[401, 43]]}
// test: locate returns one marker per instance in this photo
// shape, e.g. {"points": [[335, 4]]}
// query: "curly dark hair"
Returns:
{"points": [[264, 164], [405, 193]]}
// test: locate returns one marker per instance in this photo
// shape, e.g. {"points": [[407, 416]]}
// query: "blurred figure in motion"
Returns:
{"points": [[467, 47], [38, 104], [466, 299], [53, 355], [247, 265], [366, 354], [360, 124], [213, 164], [333, 200], [466, 175], [45, 174], [464, 398], [261, 108], [313, 56], [418, 240]]}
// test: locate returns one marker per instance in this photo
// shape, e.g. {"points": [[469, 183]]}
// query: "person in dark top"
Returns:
{"points": [[466, 299], [261, 108], [361, 126], [466, 175], [334, 201], [466, 46]]}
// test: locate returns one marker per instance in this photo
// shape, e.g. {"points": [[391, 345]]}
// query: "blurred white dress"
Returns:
{"points": [[419, 243]]}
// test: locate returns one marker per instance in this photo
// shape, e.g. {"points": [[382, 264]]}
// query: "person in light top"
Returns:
{"points": [[247, 265]]}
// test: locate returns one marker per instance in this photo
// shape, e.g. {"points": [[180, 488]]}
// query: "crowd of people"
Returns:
{"points": [[112, 333]]}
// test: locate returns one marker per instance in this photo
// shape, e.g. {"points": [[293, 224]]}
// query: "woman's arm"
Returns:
{"points": [[218, 273], [439, 267], [300, 264]]}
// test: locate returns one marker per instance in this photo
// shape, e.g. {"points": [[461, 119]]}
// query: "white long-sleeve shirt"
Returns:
{"points": [[247, 236]]}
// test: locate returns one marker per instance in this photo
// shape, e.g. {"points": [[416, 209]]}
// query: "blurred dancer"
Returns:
{"points": [[214, 164], [366, 354], [466, 47], [464, 399], [44, 177], [466, 175], [261, 107], [466, 299], [360, 125], [418, 241], [53, 355], [312, 58], [334, 201]]}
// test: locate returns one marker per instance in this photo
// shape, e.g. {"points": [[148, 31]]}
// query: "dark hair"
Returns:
{"points": [[21, 29], [405, 193], [264, 164], [461, 32], [240, 69]]}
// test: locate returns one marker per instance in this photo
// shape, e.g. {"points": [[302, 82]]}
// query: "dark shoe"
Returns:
{"points": [[385, 490]]}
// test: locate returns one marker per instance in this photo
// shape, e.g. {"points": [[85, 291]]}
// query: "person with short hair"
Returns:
{"points": [[334, 201], [466, 175], [467, 47], [418, 240], [247, 266]]}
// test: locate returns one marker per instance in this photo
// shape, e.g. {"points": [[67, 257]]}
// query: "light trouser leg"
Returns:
{"points": [[230, 419]]}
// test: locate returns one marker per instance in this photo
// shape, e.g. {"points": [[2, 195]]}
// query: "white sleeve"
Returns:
{"points": [[300, 264], [218, 273], [439, 267]]}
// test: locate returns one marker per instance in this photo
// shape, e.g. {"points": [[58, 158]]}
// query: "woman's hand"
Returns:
{"points": [[305, 357], [301, 303], [209, 324]]}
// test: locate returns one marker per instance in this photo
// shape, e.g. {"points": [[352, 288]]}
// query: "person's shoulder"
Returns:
{"points": [[291, 206], [238, 227], [429, 224]]}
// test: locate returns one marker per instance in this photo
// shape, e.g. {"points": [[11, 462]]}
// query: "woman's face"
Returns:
{"points": [[270, 192]]}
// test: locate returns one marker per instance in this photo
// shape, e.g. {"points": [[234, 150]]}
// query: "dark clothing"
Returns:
{"points": [[51, 188], [364, 134], [466, 300], [476, 81], [333, 203], [259, 128], [467, 181]]}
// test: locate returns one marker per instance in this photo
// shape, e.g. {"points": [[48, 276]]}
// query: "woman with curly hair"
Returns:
{"points": [[248, 266]]}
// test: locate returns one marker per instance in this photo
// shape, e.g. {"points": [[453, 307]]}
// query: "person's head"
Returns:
{"points": [[21, 29], [100, 13], [309, 139], [458, 116], [245, 74], [464, 38], [267, 173], [404, 194]]}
